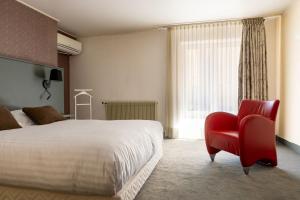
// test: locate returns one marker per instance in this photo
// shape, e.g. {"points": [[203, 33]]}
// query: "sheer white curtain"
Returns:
{"points": [[203, 75]]}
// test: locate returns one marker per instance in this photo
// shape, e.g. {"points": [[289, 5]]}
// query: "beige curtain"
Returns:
{"points": [[203, 75], [253, 83]]}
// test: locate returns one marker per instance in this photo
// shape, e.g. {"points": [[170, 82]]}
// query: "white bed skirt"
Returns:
{"points": [[128, 192]]}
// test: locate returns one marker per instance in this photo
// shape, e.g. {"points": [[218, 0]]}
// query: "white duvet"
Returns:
{"points": [[83, 156]]}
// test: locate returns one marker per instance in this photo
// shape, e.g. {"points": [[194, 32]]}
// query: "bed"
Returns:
{"points": [[79, 159]]}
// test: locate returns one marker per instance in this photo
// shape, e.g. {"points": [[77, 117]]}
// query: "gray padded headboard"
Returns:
{"points": [[21, 85]]}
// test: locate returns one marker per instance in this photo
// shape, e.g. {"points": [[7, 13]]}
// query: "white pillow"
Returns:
{"points": [[22, 119]]}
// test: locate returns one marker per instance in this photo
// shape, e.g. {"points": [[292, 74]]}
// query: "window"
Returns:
{"points": [[205, 61]]}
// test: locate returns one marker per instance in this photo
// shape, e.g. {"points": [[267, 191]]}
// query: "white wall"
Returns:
{"points": [[122, 67], [273, 40], [290, 121]]}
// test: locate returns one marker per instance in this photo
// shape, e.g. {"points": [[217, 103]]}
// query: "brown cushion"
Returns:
{"points": [[7, 121], [43, 115]]}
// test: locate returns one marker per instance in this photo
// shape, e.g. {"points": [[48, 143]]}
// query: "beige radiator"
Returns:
{"points": [[146, 110]]}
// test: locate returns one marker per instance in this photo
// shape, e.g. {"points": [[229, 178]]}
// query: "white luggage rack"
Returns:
{"points": [[80, 93]]}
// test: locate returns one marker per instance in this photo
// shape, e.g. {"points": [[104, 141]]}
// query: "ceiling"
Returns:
{"points": [[97, 17]]}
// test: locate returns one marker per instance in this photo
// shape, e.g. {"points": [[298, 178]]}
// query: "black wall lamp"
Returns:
{"points": [[55, 75]]}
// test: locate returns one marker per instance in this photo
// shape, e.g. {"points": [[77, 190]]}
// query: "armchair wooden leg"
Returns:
{"points": [[212, 157], [246, 170]]}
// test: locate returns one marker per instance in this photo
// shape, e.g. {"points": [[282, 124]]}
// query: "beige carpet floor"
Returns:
{"points": [[185, 172]]}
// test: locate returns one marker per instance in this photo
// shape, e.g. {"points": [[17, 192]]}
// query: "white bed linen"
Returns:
{"points": [[83, 156], [22, 119]]}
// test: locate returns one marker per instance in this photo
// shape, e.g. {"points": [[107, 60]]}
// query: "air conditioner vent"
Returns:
{"points": [[68, 45]]}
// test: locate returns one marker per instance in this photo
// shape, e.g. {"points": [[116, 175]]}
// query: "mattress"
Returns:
{"points": [[128, 192], [87, 157]]}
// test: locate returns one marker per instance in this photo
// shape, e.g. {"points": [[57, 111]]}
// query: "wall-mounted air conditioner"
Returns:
{"points": [[68, 45]]}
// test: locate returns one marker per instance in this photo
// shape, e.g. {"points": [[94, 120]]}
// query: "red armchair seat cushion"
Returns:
{"points": [[228, 140]]}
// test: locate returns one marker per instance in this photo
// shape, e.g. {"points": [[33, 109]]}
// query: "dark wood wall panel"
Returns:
{"points": [[64, 62], [27, 34]]}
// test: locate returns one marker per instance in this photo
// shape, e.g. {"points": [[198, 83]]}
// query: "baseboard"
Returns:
{"points": [[290, 145]]}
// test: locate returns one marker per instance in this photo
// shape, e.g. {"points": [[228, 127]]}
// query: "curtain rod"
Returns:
{"points": [[214, 21]]}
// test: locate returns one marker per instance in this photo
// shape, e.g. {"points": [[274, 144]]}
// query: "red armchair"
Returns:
{"points": [[250, 134]]}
